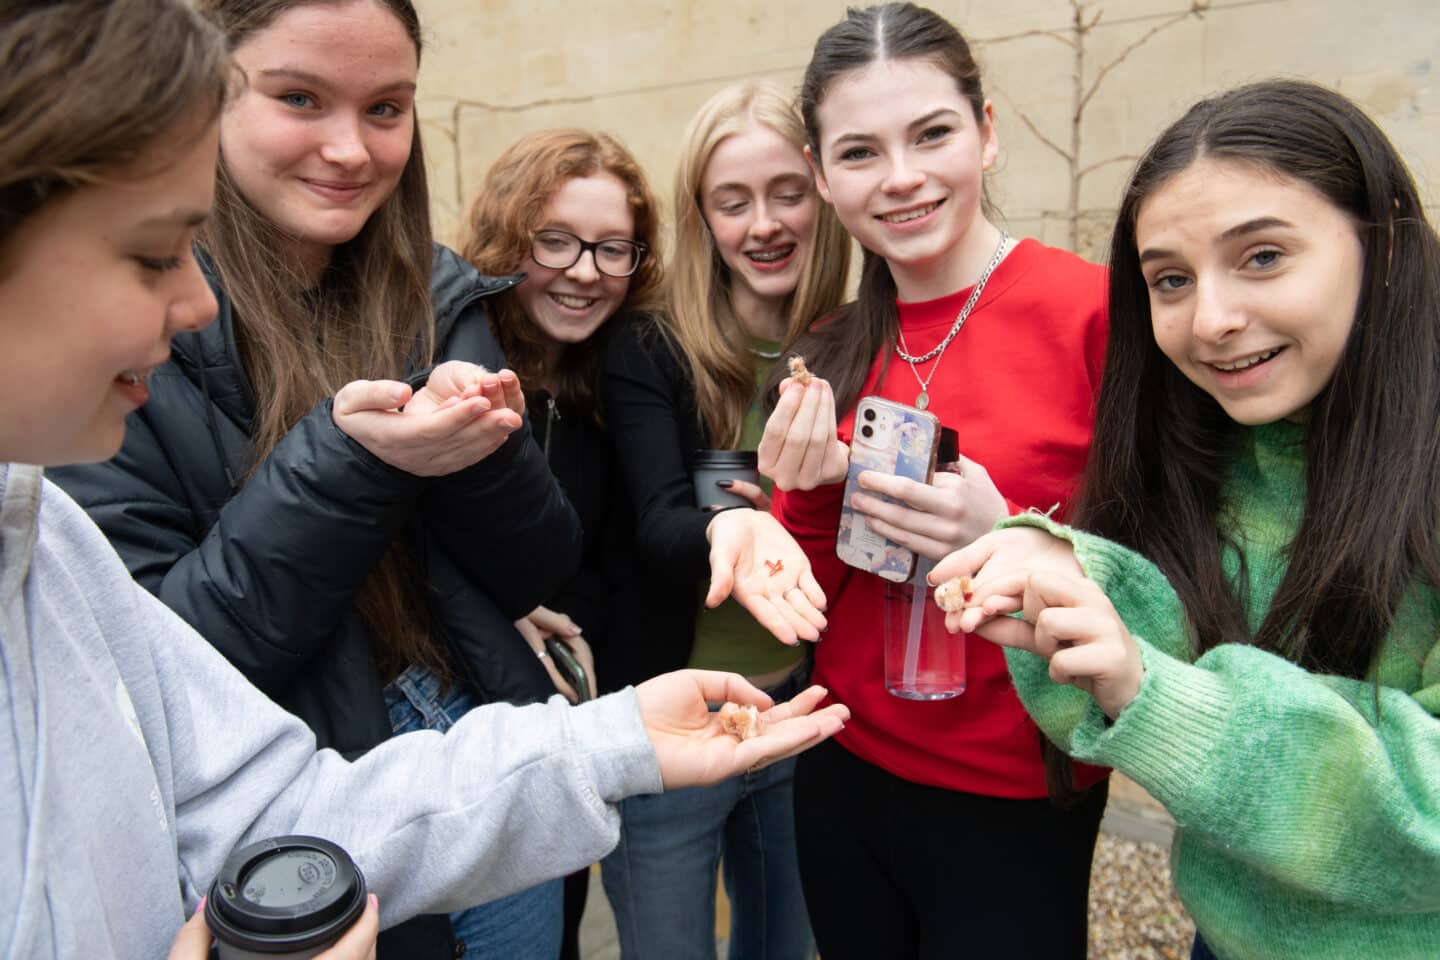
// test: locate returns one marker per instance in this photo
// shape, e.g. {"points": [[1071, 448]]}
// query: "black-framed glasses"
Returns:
{"points": [[561, 250]]}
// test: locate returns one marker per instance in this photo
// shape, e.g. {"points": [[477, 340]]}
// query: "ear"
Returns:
{"points": [[815, 168], [989, 140]]}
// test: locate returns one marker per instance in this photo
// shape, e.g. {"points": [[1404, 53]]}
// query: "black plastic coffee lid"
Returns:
{"points": [[726, 458], [285, 894]]}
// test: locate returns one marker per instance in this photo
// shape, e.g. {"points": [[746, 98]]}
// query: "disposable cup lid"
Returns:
{"points": [[285, 894]]}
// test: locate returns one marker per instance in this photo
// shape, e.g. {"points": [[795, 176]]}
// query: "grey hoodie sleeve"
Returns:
{"points": [[507, 798]]}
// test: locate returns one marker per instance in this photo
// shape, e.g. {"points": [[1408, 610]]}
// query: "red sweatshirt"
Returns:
{"points": [[1018, 383]]}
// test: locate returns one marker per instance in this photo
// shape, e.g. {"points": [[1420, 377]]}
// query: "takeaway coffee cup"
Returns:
{"points": [[286, 898], [711, 466]]}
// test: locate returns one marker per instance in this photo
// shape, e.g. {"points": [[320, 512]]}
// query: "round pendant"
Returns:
{"points": [[922, 401]]}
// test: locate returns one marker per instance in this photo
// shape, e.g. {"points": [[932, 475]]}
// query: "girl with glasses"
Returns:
{"points": [[757, 258], [918, 825], [571, 213], [325, 482], [133, 757], [1244, 616]]}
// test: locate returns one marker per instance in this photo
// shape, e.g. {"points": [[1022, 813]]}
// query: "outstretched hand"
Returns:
{"points": [[694, 750], [449, 424], [755, 559]]}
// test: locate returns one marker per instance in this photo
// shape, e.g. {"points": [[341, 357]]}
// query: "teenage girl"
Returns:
{"points": [[757, 257], [917, 827], [1244, 616], [571, 210]]}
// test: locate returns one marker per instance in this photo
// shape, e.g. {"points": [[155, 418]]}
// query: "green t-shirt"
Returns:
{"points": [[728, 638]]}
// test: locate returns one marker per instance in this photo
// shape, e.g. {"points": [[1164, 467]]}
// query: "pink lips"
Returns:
{"points": [[771, 266], [331, 190]]}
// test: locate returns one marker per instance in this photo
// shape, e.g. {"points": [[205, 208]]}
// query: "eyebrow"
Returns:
{"points": [[1235, 232], [314, 79], [918, 122], [780, 178], [180, 218]]}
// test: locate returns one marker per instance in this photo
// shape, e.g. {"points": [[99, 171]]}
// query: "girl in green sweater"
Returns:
{"points": [[1245, 617]]}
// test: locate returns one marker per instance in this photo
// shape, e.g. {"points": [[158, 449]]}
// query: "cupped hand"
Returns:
{"points": [[694, 750], [755, 559], [421, 437], [932, 519], [800, 449], [358, 943], [999, 566]]}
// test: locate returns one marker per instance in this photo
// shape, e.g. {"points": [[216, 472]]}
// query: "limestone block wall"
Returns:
{"points": [[1079, 86]]}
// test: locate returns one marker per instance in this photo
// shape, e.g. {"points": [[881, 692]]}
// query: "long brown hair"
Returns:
{"points": [[699, 311], [842, 349], [508, 208], [369, 318], [90, 85], [1162, 446]]}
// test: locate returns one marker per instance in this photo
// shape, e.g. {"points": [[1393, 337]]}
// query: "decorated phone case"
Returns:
{"points": [[895, 439]]}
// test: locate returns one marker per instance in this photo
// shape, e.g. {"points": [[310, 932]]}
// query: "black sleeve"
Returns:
{"points": [[650, 413], [505, 520], [268, 580]]}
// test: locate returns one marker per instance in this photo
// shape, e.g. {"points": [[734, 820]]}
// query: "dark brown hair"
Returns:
{"points": [[507, 210], [369, 318], [842, 348], [90, 85], [1162, 445]]}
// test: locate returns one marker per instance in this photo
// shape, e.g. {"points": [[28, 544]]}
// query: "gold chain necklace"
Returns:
{"points": [[923, 399]]}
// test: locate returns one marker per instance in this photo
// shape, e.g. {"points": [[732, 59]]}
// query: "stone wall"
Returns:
{"points": [[638, 69]]}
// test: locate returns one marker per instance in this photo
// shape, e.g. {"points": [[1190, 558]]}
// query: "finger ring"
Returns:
{"points": [[774, 566], [542, 654]]}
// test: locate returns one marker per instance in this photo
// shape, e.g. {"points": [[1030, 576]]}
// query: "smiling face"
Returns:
{"points": [[570, 305], [321, 133], [902, 158], [759, 201], [92, 288], [1254, 281]]}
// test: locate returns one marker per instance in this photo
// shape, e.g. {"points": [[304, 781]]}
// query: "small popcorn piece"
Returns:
{"points": [[954, 594], [798, 371], [741, 722]]}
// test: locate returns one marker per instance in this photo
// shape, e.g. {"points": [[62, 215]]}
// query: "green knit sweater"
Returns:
{"points": [[1308, 824]]}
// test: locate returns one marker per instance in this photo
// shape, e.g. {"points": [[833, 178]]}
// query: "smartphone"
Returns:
{"points": [[895, 439], [569, 666]]}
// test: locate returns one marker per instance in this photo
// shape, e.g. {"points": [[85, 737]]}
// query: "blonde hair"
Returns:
{"points": [[498, 236], [369, 318], [700, 313], [89, 86]]}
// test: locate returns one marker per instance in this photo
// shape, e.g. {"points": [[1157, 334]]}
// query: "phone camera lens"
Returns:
{"points": [[867, 431], [869, 414]]}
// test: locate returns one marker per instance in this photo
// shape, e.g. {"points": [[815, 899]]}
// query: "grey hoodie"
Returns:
{"points": [[134, 759]]}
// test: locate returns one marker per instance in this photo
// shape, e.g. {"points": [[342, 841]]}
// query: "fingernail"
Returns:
{"points": [[573, 630], [374, 901], [725, 484]]}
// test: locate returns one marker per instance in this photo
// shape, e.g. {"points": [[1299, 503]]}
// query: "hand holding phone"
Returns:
{"points": [[896, 440], [569, 666]]}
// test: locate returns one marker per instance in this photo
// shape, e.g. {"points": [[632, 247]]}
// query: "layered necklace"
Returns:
{"points": [[923, 399]]}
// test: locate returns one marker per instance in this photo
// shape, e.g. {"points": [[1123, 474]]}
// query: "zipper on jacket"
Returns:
{"points": [[551, 416]]}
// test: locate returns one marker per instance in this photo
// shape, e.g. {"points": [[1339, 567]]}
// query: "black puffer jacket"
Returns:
{"points": [[267, 568]]}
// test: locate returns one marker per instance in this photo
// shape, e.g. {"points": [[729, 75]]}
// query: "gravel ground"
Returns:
{"points": [[1134, 914]]}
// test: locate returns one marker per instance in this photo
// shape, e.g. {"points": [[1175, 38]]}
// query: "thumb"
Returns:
{"points": [[358, 395], [193, 940], [722, 577]]}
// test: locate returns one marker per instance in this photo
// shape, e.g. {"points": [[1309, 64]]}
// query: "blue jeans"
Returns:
{"points": [[525, 925], [661, 877]]}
